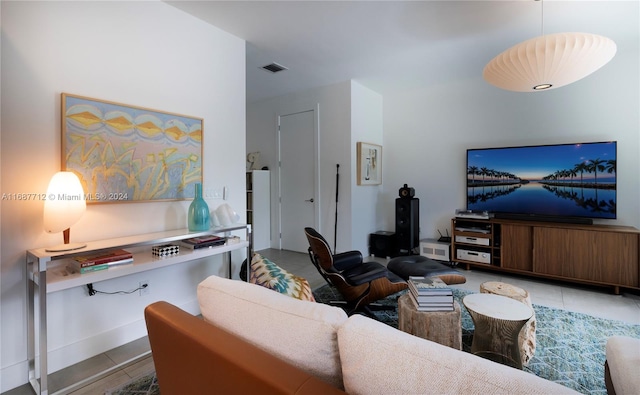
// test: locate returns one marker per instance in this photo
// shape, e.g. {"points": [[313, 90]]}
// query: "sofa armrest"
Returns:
{"points": [[621, 365], [192, 356]]}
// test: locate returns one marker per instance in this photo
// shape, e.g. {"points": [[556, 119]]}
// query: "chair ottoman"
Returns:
{"points": [[420, 266]]}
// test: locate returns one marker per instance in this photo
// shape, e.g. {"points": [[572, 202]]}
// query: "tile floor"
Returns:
{"points": [[595, 301]]}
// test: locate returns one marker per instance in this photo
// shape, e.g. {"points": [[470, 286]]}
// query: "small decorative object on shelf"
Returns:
{"points": [[165, 250], [198, 212], [196, 243], [224, 215]]}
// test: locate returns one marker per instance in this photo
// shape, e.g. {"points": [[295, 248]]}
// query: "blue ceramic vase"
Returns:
{"points": [[198, 212]]}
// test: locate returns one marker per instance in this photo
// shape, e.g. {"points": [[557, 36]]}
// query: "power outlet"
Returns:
{"points": [[213, 193], [144, 288]]}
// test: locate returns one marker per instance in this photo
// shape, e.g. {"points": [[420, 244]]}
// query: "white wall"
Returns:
{"points": [[428, 131], [366, 200], [335, 148], [141, 53]]}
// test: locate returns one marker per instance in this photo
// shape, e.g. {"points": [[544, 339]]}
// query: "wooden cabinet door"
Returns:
{"points": [[602, 256], [516, 246]]}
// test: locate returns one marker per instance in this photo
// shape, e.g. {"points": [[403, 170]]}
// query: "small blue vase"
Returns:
{"points": [[198, 212]]}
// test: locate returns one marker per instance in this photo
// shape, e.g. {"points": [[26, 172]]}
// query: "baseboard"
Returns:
{"points": [[79, 351], [13, 376], [16, 375]]}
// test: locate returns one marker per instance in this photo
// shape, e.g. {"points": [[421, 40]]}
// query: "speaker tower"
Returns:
{"points": [[407, 224]]}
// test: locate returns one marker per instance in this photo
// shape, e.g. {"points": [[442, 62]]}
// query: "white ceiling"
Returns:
{"points": [[396, 45]]}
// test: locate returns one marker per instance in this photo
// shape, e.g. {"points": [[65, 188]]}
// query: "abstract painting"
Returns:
{"points": [[124, 153], [369, 157]]}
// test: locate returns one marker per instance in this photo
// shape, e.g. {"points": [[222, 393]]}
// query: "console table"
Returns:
{"points": [[47, 273]]}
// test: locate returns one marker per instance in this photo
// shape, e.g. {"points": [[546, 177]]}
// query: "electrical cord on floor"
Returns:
{"points": [[93, 291]]}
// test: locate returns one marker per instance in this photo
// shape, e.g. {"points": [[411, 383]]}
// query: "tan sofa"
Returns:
{"points": [[195, 357], [259, 336], [621, 366]]}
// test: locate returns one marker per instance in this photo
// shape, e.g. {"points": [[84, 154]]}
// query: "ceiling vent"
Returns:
{"points": [[274, 67]]}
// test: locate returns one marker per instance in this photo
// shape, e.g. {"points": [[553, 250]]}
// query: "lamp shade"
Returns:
{"points": [[549, 61], [65, 202]]}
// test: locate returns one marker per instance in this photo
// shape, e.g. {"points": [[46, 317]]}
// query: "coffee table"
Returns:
{"points": [[442, 327], [498, 321], [527, 336]]}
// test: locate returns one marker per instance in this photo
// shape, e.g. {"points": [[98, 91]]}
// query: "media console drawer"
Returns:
{"points": [[481, 241], [475, 256]]}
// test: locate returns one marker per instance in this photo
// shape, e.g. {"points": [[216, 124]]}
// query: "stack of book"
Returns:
{"points": [[430, 294], [206, 241], [101, 260]]}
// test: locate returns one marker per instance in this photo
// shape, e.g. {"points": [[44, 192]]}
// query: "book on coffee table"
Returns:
{"points": [[428, 286], [431, 306]]}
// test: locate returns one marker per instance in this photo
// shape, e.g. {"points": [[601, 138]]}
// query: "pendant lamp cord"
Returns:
{"points": [[542, 17]]}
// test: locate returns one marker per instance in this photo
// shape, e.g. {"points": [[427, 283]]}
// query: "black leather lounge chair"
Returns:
{"points": [[360, 283]]}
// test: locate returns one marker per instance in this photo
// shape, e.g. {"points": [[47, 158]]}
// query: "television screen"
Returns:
{"points": [[563, 180]]}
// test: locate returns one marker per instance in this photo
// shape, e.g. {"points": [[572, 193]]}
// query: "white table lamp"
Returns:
{"points": [[64, 206]]}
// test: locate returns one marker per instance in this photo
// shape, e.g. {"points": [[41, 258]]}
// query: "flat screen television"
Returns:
{"points": [[561, 182]]}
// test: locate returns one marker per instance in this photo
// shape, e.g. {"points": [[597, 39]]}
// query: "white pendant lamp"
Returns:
{"points": [[549, 61]]}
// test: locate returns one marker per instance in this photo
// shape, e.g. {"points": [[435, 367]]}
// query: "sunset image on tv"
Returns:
{"points": [[567, 180]]}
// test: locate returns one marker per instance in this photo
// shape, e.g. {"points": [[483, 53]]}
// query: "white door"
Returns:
{"points": [[298, 200]]}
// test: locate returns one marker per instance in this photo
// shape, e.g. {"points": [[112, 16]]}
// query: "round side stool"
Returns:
{"points": [[498, 321], [527, 336]]}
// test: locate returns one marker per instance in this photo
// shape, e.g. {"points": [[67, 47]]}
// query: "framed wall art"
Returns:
{"points": [[369, 157], [124, 153]]}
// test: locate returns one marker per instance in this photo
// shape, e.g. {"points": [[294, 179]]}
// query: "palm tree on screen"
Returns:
{"points": [[594, 166], [610, 167], [581, 168], [484, 172]]}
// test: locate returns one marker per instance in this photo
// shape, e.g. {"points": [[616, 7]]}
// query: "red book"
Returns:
{"points": [[103, 257]]}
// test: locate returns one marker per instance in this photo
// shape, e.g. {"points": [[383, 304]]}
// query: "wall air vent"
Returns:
{"points": [[274, 67]]}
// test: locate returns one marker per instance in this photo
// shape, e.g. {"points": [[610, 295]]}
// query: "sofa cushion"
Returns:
{"points": [[623, 358], [269, 275], [378, 359], [302, 333]]}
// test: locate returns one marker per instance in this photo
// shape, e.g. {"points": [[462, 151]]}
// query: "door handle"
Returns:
{"points": [[309, 200]]}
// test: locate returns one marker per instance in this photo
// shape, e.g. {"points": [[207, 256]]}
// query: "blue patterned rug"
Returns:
{"points": [[570, 347], [144, 385]]}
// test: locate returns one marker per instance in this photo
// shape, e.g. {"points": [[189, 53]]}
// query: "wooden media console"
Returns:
{"points": [[603, 255]]}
